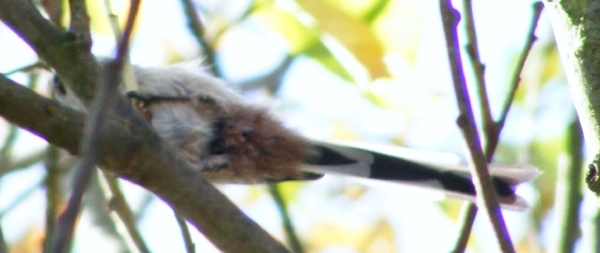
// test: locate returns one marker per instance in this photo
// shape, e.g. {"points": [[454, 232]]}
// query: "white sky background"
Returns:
{"points": [[310, 101]]}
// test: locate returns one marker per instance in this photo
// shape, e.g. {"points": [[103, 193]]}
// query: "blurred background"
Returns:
{"points": [[372, 71]]}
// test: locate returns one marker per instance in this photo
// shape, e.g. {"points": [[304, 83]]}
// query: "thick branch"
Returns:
{"points": [[576, 27], [80, 25], [129, 147], [138, 155], [55, 46]]}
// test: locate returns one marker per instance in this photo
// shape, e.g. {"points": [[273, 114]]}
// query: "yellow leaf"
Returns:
{"points": [[400, 28], [364, 9], [298, 35], [289, 190], [354, 34], [31, 242], [363, 237], [382, 238], [301, 38]]}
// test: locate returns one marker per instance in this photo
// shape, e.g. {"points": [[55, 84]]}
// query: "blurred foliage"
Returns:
{"points": [[31, 242], [301, 38], [290, 190], [367, 30], [354, 34], [376, 46], [376, 237]]}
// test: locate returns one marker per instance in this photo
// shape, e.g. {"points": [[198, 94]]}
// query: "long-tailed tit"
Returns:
{"points": [[232, 141]]}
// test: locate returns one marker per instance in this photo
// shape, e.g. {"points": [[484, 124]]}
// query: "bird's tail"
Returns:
{"points": [[432, 170]]}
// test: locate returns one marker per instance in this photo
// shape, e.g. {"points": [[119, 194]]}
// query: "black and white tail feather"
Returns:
{"points": [[232, 141], [432, 170]]}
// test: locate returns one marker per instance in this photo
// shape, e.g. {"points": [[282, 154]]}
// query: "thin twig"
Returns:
{"points": [[83, 171], [80, 25], [469, 210], [125, 216], [271, 81], [288, 227], [129, 78], [54, 8], [131, 84], [113, 19], [145, 205], [185, 233], [492, 132], [486, 195], [256, 5], [5, 151], [20, 198], [516, 77], [102, 105], [117, 202], [479, 69], [197, 29], [8, 165], [53, 193], [568, 191], [29, 67], [466, 218], [123, 46]]}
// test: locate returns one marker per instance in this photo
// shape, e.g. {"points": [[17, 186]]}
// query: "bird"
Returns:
{"points": [[231, 140]]}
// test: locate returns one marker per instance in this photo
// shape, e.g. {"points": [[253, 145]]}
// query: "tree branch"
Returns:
{"points": [[129, 148], [491, 129], [53, 193], [486, 196], [576, 27], [102, 106], [478, 69], [288, 226], [185, 233], [138, 155], [516, 76], [124, 216], [54, 8], [80, 26], [197, 29], [55, 46]]}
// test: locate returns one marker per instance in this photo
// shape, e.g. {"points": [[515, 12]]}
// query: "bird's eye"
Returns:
{"points": [[59, 87]]}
